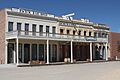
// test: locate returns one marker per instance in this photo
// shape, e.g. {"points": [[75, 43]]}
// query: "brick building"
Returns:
{"points": [[114, 41]]}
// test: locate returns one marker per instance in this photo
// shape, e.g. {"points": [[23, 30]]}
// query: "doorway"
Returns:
{"points": [[11, 52], [26, 53], [34, 51]]}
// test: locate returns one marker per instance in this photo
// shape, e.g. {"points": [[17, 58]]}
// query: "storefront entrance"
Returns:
{"points": [[26, 53], [11, 52]]}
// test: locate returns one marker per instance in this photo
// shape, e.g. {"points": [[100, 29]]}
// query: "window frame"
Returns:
{"points": [[19, 29], [10, 26], [34, 29], [26, 28]]}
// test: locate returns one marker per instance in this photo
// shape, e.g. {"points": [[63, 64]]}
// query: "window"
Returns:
{"points": [[61, 31], [68, 31], [103, 35], [34, 51], [10, 26], [26, 28], [84, 33], [41, 52], [41, 30], [73, 32], [118, 49], [79, 33], [20, 52], [118, 42], [47, 29], [34, 29], [106, 35], [99, 34], [89, 33], [95, 34], [54, 53], [53, 30], [19, 26]]}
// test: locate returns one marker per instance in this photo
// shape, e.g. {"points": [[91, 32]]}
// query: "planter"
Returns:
{"points": [[88, 60], [33, 62], [67, 60], [74, 61], [42, 62]]}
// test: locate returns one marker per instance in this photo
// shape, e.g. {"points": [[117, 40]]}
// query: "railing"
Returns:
{"points": [[11, 34], [53, 36]]}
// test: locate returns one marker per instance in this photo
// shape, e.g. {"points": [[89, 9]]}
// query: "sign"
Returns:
{"points": [[73, 24], [90, 39]]}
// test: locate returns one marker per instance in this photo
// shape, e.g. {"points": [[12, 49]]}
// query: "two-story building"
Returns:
{"points": [[28, 35], [114, 43]]}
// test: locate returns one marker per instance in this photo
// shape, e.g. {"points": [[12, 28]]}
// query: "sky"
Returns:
{"points": [[98, 11]]}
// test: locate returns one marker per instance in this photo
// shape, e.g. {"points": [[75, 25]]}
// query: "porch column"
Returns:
{"points": [[91, 52], [101, 51], [6, 52], [94, 49], [71, 52], [23, 53], [51, 51], [17, 51], [14, 55], [30, 52], [47, 51], [106, 52]]}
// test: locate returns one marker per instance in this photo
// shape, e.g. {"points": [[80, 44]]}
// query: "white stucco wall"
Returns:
{"points": [[31, 21]]}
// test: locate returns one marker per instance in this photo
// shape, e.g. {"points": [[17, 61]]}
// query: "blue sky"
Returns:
{"points": [[99, 11]]}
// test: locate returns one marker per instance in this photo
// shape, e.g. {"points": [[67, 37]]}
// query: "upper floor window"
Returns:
{"points": [[10, 26], [53, 29], [89, 33], [79, 33], [73, 32], [61, 31], [99, 34], [103, 35], [95, 34], [47, 29], [26, 28], [118, 48], [106, 35], [34, 28], [19, 26], [68, 31], [41, 28], [84, 33]]}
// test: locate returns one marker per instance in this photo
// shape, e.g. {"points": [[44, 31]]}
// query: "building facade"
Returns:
{"points": [[114, 41], [28, 35]]}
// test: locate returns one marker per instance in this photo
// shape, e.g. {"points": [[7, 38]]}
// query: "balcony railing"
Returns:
{"points": [[53, 36]]}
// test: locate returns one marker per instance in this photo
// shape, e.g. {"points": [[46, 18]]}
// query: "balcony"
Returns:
{"points": [[51, 36]]}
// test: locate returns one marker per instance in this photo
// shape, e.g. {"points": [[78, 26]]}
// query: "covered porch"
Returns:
{"points": [[38, 51]]}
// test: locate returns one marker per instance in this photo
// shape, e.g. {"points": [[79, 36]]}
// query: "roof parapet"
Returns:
{"points": [[29, 11], [38, 13]]}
